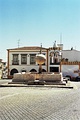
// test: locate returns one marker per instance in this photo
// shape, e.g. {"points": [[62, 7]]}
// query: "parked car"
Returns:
{"points": [[69, 77], [77, 78], [66, 79]]}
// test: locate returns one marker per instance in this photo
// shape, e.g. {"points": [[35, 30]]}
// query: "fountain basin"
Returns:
{"points": [[37, 79]]}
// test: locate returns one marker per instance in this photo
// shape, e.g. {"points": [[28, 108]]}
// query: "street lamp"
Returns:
{"points": [[40, 59]]}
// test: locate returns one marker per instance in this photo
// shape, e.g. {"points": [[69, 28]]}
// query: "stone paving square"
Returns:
{"points": [[39, 103]]}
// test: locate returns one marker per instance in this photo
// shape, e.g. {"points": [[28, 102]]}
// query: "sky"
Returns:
{"points": [[32, 22]]}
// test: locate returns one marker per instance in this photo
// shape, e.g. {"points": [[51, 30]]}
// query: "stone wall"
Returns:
{"points": [[50, 77], [19, 77]]}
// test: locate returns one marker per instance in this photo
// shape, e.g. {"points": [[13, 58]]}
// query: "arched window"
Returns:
{"points": [[13, 71], [33, 70]]}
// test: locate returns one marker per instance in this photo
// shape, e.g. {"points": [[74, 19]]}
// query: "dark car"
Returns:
{"points": [[77, 78]]}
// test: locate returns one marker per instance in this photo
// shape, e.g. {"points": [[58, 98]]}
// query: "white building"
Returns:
{"points": [[23, 59], [57, 60]]}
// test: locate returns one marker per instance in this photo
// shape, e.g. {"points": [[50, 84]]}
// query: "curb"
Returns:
{"points": [[22, 85]]}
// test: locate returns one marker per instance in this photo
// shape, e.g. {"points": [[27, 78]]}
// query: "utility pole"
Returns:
{"points": [[41, 49]]}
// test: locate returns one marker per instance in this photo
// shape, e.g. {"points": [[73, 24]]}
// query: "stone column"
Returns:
{"points": [[28, 59], [19, 59]]}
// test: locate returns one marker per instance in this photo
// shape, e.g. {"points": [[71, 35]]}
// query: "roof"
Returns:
{"points": [[71, 50], [28, 48]]}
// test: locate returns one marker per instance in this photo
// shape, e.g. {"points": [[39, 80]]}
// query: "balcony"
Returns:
{"points": [[58, 63], [15, 62]]}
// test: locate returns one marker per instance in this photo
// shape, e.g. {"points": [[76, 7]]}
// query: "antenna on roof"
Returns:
{"points": [[18, 43], [60, 38]]}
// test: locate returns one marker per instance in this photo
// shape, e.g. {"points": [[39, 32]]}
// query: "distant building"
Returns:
{"points": [[3, 69], [57, 60]]}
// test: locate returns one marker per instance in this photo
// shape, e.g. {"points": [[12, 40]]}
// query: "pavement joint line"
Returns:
{"points": [[8, 96]]}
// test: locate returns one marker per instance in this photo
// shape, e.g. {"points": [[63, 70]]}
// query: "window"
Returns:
{"points": [[32, 59], [24, 59], [4, 63], [51, 60], [15, 60], [54, 69]]}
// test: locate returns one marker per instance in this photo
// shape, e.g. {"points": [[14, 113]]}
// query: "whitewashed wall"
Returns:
{"points": [[69, 70], [72, 55]]}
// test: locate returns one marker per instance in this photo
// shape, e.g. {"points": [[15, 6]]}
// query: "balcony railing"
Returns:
{"points": [[55, 63], [15, 62], [23, 62]]}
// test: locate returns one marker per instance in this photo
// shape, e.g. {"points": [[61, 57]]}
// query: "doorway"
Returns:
{"points": [[54, 69]]}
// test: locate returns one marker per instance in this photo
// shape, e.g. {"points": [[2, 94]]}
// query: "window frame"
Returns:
{"points": [[25, 57], [32, 59], [15, 60]]}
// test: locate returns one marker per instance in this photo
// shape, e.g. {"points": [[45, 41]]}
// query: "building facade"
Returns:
{"points": [[57, 60], [23, 60]]}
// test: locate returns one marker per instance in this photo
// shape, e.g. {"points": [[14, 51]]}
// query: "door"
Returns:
{"points": [[54, 69]]}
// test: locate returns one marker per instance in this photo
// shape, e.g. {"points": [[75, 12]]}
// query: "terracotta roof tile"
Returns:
{"points": [[28, 48]]}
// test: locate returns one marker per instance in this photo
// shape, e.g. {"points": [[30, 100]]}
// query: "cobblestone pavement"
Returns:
{"points": [[4, 81], [39, 103]]}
